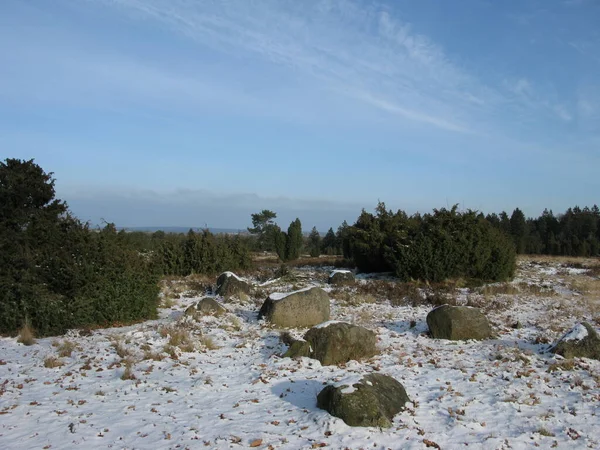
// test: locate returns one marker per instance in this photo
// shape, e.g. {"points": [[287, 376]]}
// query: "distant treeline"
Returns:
{"points": [[57, 273], [573, 233]]}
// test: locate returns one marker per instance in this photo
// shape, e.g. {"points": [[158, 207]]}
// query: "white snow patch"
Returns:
{"points": [[243, 388], [326, 324], [348, 382], [578, 333], [333, 272], [281, 295], [231, 274]]}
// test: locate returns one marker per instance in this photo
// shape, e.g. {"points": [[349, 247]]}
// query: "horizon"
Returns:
{"points": [[191, 113]]}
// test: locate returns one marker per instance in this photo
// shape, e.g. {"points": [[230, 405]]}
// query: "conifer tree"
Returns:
{"points": [[294, 240], [314, 242]]}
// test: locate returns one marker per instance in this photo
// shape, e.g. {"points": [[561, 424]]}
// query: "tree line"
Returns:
{"points": [[57, 272], [576, 232]]}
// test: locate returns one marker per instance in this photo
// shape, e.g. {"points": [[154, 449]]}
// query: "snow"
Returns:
{"points": [[348, 382], [333, 272], [578, 333], [281, 295], [231, 274], [326, 324], [504, 393]]}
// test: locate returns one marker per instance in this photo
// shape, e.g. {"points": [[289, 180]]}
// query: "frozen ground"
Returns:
{"points": [[220, 382]]}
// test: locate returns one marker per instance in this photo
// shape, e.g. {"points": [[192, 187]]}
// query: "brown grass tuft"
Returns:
{"points": [[66, 349], [52, 362], [128, 372], [26, 335]]}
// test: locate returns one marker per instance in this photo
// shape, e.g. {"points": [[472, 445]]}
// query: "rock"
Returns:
{"points": [[206, 306], [335, 343], [303, 308], [372, 402], [581, 341], [341, 278], [229, 285], [458, 323], [298, 349]]}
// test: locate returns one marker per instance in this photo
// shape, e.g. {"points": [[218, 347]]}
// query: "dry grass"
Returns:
{"points": [[171, 351], [153, 356], [208, 343], [544, 432], [128, 372], [121, 350], [52, 362], [365, 317], [66, 349], [352, 298], [234, 323], [167, 302], [179, 337], [565, 365], [26, 335]]}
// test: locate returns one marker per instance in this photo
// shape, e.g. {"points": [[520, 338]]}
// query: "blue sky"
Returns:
{"points": [[193, 113]]}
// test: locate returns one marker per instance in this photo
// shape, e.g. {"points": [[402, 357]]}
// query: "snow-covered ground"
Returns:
{"points": [[231, 389]]}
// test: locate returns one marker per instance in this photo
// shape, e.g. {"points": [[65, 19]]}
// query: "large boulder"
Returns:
{"points": [[458, 323], [581, 341], [229, 285], [371, 402], [335, 343], [205, 307], [341, 278], [303, 308]]}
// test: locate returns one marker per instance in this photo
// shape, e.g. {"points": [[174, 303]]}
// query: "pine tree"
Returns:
{"points": [[294, 240], [328, 244], [265, 228], [314, 242], [518, 230]]}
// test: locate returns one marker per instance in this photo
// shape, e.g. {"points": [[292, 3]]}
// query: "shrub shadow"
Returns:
{"points": [[300, 393]]}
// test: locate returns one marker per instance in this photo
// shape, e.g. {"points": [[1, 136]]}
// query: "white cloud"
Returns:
{"points": [[341, 45]]}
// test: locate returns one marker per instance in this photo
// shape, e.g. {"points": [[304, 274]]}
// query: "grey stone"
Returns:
{"points": [[230, 285], [206, 306], [581, 341], [341, 278], [303, 308], [458, 323], [372, 402]]}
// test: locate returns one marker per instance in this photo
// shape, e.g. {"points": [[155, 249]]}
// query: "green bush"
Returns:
{"points": [[56, 273], [202, 253], [434, 247]]}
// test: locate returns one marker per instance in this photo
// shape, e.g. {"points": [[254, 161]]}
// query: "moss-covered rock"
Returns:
{"points": [[230, 285], [581, 341], [204, 307], [303, 308], [298, 349], [458, 323], [341, 278], [372, 402], [339, 342]]}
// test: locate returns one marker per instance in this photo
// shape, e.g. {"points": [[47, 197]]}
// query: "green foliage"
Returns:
{"points": [[574, 233], [433, 247], [293, 243], [265, 229], [314, 243], [57, 274], [342, 238], [203, 253], [329, 244], [518, 230]]}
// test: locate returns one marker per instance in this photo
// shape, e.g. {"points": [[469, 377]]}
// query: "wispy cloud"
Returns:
{"points": [[527, 97], [345, 46]]}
